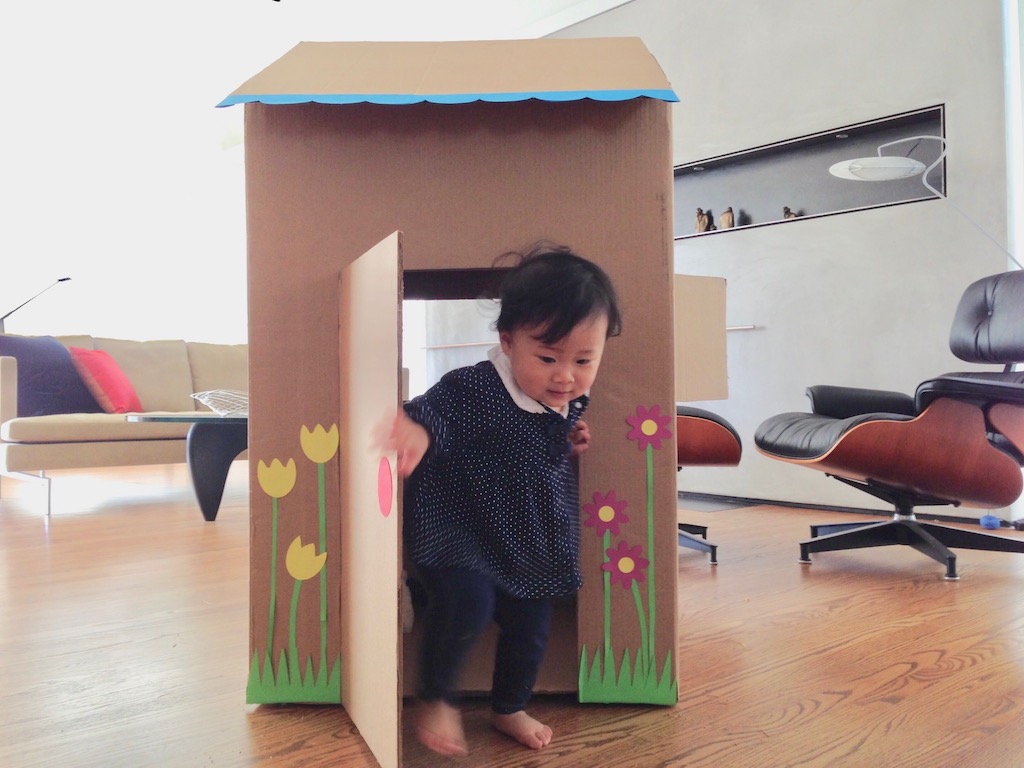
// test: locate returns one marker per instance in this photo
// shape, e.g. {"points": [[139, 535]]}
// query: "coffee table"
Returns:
{"points": [[213, 442]]}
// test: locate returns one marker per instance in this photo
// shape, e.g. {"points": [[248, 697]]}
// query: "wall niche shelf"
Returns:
{"points": [[758, 184]]}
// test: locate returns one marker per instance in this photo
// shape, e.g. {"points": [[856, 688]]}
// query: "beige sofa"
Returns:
{"points": [[163, 373]]}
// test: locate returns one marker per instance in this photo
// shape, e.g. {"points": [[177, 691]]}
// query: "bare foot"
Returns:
{"points": [[439, 729], [523, 728]]}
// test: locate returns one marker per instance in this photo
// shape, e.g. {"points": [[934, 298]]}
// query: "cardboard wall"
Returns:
{"points": [[700, 352], [464, 184]]}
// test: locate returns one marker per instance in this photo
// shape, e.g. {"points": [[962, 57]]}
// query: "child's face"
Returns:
{"points": [[554, 374]]}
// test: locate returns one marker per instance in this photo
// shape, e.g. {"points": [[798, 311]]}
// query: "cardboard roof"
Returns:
{"points": [[550, 69]]}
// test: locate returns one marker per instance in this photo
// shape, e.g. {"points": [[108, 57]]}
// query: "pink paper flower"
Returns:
{"points": [[625, 564], [606, 513], [649, 427]]}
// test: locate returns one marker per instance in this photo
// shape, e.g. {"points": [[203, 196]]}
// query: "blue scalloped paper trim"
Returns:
{"points": [[662, 94]]}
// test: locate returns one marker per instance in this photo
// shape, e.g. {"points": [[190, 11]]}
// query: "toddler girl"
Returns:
{"points": [[491, 510]]}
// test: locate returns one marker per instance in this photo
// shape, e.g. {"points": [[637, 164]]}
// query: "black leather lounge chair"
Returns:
{"points": [[703, 438], [958, 440]]}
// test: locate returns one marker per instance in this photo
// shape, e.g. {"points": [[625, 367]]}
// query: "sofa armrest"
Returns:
{"points": [[8, 388]]}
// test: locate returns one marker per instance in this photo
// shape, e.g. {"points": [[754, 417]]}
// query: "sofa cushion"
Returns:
{"points": [[87, 427], [47, 380], [159, 371], [106, 381], [218, 366]]}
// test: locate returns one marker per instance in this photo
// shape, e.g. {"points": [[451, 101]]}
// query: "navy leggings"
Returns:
{"points": [[461, 606]]}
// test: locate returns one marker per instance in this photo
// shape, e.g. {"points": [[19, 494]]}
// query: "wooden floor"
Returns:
{"points": [[124, 637]]}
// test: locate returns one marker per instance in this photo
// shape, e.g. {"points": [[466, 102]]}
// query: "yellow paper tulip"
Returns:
{"points": [[320, 445], [303, 562], [277, 480]]}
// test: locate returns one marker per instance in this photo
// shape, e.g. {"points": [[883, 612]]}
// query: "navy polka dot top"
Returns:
{"points": [[496, 493]]}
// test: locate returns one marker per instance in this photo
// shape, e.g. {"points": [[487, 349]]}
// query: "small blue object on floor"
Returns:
{"points": [[991, 522]]}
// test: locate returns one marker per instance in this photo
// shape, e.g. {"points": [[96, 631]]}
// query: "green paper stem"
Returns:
{"points": [[607, 579], [650, 546], [273, 577], [293, 639], [322, 493], [644, 662]]}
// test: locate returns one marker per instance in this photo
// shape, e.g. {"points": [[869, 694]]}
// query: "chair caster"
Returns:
{"points": [[805, 552]]}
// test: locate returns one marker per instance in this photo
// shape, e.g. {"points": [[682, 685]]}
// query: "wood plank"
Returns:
{"points": [[124, 641]]}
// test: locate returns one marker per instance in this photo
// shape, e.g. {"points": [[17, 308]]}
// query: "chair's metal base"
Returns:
{"points": [[928, 538], [689, 540]]}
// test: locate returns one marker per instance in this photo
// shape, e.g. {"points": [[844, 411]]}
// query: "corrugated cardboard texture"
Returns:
{"points": [[700, 354], [366, 71], [370, 351], [464, 184]]}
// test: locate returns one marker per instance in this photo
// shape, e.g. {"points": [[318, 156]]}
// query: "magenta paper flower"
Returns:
{"points": [[625, 564], [649, 427], [606, 513]]}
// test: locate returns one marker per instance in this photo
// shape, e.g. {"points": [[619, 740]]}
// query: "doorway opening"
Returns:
{"points": [[447, 322]]}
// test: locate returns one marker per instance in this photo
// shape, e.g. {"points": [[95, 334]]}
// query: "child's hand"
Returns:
{"points": [[410, 441], [579, 436]]}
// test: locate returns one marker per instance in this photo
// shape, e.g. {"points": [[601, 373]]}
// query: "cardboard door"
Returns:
{"points": [[370, 383]]}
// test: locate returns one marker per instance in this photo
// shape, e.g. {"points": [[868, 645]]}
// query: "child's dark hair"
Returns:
{"points": [[554, 290]]}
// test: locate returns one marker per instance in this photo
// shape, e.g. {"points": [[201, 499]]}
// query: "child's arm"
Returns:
{"points": [[579, 436], [410, 441]]}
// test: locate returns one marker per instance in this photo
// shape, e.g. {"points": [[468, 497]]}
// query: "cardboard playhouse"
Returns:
{"points": [[377, 170]]}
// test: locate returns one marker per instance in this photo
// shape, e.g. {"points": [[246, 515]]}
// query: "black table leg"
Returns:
{"points": [[210, 449]]}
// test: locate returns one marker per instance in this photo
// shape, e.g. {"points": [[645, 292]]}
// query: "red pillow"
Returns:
{"points": [[106, 381]]}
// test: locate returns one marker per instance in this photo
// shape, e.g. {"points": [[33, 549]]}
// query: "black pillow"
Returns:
{"points": [[47, 380]]}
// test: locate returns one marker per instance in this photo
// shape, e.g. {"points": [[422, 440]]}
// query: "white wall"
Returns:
{"points": [[115, 173], [863, 298], [118, 170], [1013, 27]]}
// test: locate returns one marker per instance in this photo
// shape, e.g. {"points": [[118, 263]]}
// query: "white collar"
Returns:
{"points": [[504, 368]]}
